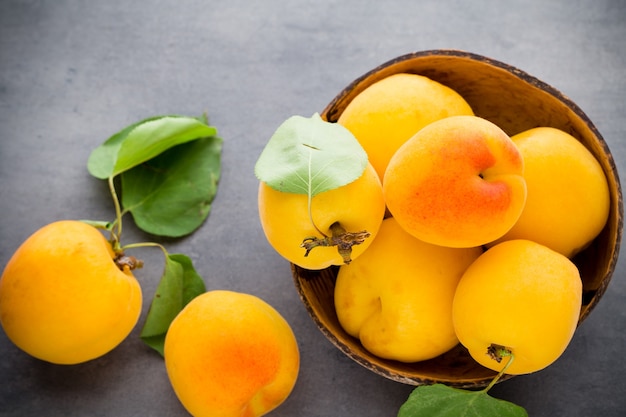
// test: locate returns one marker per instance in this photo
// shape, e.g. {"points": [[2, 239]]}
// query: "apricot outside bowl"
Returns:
{"points": [[515, 101]]}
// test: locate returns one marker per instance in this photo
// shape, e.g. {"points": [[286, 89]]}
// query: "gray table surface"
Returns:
{"points": [[74, 72]]}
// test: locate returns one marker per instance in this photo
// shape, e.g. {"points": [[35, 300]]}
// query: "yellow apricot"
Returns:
{"points": [[397, 296], [387, 113], [231, 354], [457, 182], [568, 195], [357, 206], [62, 297], [522, 296]]}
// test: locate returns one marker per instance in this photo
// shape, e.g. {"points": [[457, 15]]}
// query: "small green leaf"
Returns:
{"points": [[171, 194], [442, 401], [179, 285], [143, 141], [310, 156], [102, 159]]}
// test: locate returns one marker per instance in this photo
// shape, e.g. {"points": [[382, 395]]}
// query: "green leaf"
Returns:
{"points": [[143, 141], [179, 285], [171, 194], [442, 401], [310, 156]]}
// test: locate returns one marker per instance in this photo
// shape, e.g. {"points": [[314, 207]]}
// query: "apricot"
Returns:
{"points": [[63, 299], [397, 296], [231, 354], [387, 113], [457, 182], [568, 194], [355, 207], [522, 296]]}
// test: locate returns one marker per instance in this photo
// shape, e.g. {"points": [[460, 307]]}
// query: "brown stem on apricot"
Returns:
{"points": [[127, 263], [343, 240], [115, 235], [497, 352]]}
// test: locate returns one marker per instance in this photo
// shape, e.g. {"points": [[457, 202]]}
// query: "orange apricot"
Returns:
{"points": [[389, 112], [568, 193], [397, 297], [63, 299], [522, 297], [231, 354], [457, 182], [355, 207]]}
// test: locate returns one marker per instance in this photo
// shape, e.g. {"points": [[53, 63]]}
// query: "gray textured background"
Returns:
{"points": [[74, 72]]}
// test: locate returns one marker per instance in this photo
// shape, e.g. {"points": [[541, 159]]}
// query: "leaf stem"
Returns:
{"points": [[310, 198], [501, 352], [310, 208], [144, 245], [118, 216]]}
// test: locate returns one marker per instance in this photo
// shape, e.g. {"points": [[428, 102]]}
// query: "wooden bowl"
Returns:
{"points": [[515, 101]]}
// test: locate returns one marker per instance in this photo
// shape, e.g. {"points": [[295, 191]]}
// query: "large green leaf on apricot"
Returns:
{"points": [[439, 400], [179, 285], [143, 141], [171, 194], [309, 156]]}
